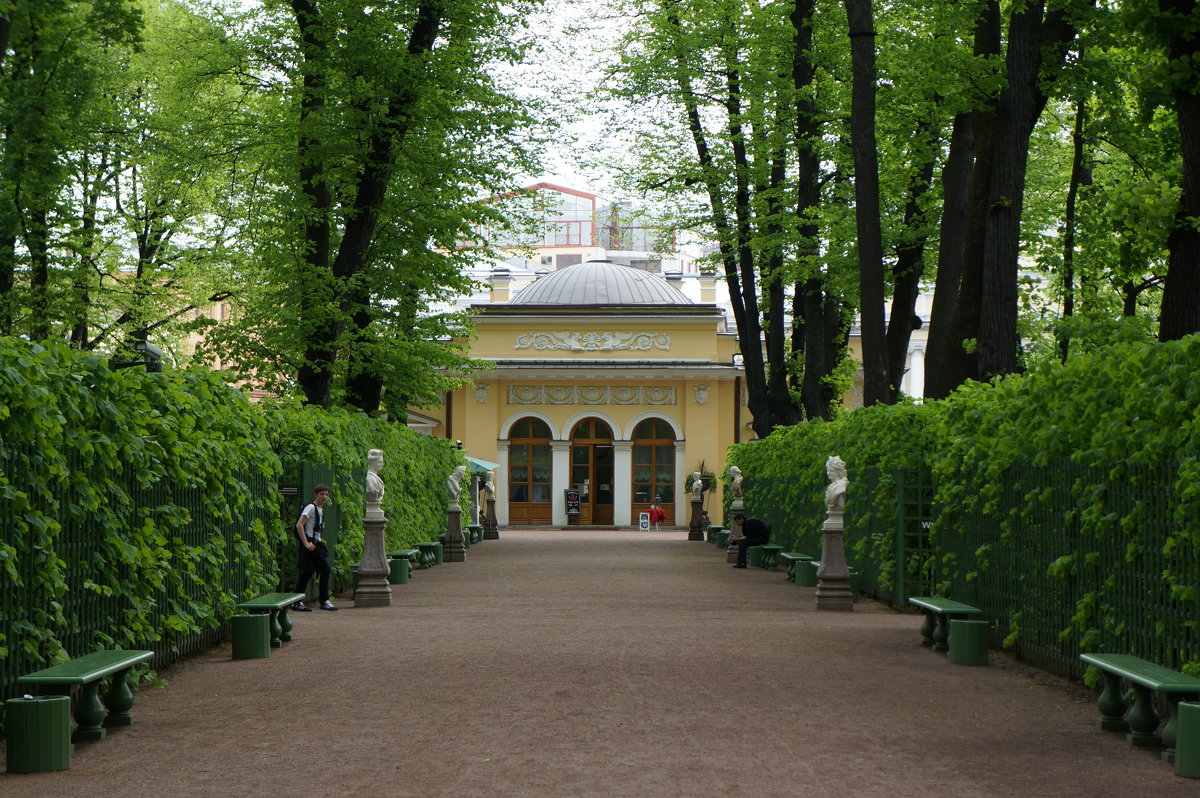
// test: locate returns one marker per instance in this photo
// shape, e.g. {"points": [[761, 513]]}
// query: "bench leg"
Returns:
{"points": [[119, 701], [276, 630], [927, 627], [1143, 720], [1171, 729], [89, 714], [1112, 704], [285, 624], [941, 633]]}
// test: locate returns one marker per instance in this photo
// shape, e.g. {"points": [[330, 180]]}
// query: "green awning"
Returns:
{"points": [[477, 466]]}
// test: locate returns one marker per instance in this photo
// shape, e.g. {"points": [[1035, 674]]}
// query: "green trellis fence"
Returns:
{"points": [[1053, 580]]}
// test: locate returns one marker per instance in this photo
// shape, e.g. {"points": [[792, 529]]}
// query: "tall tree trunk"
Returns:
{"points": [[816, 311], [956, 180], [1180, 314], [910, 264], [1080, 176], [866, 202], [315, 375], [1036, 48], [38, 245], [954, 365]]}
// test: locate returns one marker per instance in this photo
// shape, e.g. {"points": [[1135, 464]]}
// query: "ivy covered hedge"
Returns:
{"points": [[1067, 499], [137, 509], [415, 468]]}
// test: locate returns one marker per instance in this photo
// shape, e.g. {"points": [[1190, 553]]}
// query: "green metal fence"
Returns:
{"points": [[1053, 583], [888, 518], [1059, 584]]}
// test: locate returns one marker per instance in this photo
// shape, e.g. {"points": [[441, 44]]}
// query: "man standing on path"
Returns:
{"points": [[749, 532], [314, 556]]}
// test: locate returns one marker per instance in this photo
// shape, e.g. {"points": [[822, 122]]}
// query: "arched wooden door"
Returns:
{"points": [[654, 468], [592, 471], [529, 473]]}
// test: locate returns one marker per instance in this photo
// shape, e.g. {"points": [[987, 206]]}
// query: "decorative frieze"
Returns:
{"points": [[590, 395], [593, 341]]}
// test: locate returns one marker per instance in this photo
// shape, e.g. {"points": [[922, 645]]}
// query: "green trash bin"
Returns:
{"points": [[1187, 740], [251, 635], [806, 573], [398, 570], [39, 733], [968, 642]]}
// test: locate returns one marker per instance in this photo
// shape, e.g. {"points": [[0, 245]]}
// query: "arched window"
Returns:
{"points": [[654, 467], [529, 472]]}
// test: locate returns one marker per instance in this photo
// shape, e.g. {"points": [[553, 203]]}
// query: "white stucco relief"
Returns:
{"points": [[590, 395], [594, 341]]}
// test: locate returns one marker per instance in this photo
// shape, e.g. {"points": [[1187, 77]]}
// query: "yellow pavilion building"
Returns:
{"points": [[610, 382]]}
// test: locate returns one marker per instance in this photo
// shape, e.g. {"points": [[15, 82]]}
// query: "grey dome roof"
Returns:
{"points": [[600, 282]]}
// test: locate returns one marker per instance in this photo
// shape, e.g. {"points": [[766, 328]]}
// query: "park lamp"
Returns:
{"points": [[151, 358]]}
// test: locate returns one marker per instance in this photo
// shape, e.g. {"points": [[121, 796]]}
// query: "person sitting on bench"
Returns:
{"points": [[748, 532]]}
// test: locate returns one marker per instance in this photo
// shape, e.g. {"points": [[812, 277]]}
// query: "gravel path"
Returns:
{"points": [[598, 663]]}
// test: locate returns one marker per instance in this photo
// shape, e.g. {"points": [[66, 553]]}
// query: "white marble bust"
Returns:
{"points": [[735, 482], [454, 483], [374, 492]]}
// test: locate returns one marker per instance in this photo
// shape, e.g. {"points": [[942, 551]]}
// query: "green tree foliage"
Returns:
{"points": [[385, 130], [731, 129]]}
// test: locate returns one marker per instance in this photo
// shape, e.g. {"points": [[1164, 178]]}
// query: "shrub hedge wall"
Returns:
{"points": [[137, 509], [1099, 454]]}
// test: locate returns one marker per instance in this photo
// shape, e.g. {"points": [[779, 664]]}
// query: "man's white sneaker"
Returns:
{"points": [[328, 605]]}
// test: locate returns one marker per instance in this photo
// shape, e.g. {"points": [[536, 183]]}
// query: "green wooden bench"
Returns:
{"points": [[935, 630], [765, 555], [1145, 678], [277, 605], [400, 565], [722, 539], [429, 552], [793, 559], [92, 716], [475, 532]]}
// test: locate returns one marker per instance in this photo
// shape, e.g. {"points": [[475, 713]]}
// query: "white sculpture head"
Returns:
{"points": [[835, 468], [374, 460]]}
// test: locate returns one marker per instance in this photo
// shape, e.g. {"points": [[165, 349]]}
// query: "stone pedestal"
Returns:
{"points": [[454, 550], [833, 577], [696, 527], [490, 530], [373, 589], [736, 506]]}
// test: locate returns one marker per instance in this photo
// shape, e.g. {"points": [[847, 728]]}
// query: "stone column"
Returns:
{"points": [[475, 480], [560, 479], [735, 506], [454, 550], [623, 483], [502, 481], [491, 531], [696, 527]]}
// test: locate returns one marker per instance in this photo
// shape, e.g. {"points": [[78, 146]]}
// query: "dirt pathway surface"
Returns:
{"points": [[596, 663]]}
